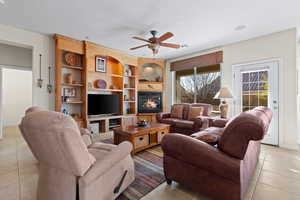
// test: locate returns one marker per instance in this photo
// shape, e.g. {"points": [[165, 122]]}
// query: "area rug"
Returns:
{"points": [[149, 173]]}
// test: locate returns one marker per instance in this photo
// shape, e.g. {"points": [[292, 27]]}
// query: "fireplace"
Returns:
{"points": [[149, 102]]}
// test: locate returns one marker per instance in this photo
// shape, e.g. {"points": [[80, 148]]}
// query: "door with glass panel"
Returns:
{"points": [[257, 85]]}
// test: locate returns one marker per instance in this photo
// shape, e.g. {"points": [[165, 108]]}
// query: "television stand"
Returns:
{"points": [[106, 123]]}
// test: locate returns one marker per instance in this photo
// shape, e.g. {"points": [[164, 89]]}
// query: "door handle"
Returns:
{"points": [[275, 107]]}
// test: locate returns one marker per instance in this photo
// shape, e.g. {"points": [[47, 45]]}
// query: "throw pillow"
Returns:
{"points": [[195, 112], [176, 111]]}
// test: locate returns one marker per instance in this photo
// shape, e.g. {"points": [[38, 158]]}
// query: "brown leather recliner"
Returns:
{"points": [[222, 172], [182, 124]]}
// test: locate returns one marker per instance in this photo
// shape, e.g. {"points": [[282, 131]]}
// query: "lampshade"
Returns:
{"points": [[224, 93]]}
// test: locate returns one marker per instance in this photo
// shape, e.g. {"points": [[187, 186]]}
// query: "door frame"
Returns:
{"points": [[278, 61], [1, 91]]}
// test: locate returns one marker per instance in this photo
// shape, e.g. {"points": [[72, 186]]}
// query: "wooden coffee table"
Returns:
{"points": [[141, 137]]}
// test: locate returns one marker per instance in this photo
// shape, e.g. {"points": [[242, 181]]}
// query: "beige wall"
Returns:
{"points": [[40, 44], [15, 56], [280, 45]]}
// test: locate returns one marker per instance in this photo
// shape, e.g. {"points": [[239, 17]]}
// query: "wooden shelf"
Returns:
{"points": [[133, 76], [72, 67], [149, 82], [73, 102], [114, 126], [91, 119], [129, 88], [130, 114], [129, 101], [73, 84], [115, 75], [105, 90]]}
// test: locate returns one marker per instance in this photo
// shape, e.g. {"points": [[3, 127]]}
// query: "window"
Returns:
{"points": [[255, 89], [198, 85]]}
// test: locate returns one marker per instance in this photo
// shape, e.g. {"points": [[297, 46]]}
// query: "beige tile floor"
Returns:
{"points": [[277, 176]]}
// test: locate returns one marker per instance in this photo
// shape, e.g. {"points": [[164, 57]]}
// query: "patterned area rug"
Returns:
{"points": [[149, 173]]}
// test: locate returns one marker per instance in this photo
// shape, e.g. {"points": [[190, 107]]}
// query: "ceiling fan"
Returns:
{"points": [[156, 42]]}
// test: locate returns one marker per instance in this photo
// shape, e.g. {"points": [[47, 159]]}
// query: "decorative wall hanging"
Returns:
{"points": [[40, 80], [49, 86], [100, 64]]}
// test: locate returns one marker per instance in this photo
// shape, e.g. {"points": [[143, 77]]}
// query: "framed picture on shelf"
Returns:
{"points": [[100, 64], [69, 92]]}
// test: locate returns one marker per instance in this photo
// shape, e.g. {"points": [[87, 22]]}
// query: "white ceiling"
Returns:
{"points": [[200, 24]]}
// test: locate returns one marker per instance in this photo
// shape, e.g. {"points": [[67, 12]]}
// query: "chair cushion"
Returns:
{"points": [[207, 108], [210, 135], [170, 121], [195, 112], [184, 124], [177, 111], [102, 146], [99, 154]]}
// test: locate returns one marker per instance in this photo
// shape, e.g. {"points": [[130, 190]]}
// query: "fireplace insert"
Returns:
{"points": [[149, 102]]}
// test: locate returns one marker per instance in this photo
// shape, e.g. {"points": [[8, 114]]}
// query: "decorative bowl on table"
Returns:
{"points": [[142, 123]]}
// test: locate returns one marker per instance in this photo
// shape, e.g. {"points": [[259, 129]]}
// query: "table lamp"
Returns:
{"points": [[224, 93]]}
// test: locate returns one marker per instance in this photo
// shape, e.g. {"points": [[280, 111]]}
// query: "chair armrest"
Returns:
{"points": [[162, 115], [112, 158], [200, 123], [201, 155], [86, 136], [219, 122]]}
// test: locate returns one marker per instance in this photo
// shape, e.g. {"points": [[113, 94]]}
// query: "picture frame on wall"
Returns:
{"points": [[100, 64], [69, 92]]}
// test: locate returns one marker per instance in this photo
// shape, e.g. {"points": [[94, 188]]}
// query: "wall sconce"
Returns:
{"points": [[40, 80], [49, 86]]}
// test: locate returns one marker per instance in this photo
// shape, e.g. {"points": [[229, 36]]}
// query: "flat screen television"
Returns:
{"points": [[103, 104]]}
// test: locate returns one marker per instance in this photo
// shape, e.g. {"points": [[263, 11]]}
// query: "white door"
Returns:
{"points": [[256, 84]]}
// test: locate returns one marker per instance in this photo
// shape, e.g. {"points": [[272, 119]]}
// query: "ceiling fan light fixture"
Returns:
{"points": [[154, 42]]}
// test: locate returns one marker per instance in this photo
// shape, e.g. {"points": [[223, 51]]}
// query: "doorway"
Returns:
{"points": [[16, 95], [257, 84]]}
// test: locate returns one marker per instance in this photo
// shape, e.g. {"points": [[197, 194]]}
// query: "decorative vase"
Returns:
{"points": [[224, 109], [69, 78]]}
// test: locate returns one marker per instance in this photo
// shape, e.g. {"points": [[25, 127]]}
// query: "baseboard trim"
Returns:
{"points": [[290, 146]]}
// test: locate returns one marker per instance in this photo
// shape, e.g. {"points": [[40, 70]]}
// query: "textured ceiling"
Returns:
{"points": [[200, 24]]}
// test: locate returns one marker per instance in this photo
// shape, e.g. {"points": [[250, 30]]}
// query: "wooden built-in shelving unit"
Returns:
{"points": [[74, 105], [121, 77]]}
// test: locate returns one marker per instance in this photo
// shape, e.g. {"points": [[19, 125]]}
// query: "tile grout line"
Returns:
{"points": [[18, 165], [252, 195]]}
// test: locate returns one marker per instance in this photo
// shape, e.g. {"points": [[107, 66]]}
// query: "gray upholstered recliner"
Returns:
{"points": [[70, 166]]}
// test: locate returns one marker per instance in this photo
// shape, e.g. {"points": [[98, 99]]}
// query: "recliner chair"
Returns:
{"points": [[70, 166], [222, 172]]}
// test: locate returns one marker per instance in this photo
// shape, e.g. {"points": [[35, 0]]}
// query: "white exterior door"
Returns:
{"points": [[256, 84]]}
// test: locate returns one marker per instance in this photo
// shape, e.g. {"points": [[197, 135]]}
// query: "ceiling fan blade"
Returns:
{"points": [[142, 39], [175, 46], [138, 47], [165, 36]]}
